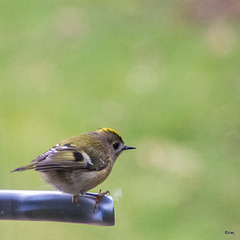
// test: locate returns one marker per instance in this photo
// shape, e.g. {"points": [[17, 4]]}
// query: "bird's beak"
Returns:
{"points": [[127, 147]]}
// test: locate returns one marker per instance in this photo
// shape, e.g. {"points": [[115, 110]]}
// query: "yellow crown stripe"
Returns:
{"points": [[110, 130]]}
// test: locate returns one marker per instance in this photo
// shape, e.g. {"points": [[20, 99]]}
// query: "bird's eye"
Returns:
{"points": [[116, 145]]}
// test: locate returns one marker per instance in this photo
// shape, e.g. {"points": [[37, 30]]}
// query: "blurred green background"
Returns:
{"points": [[164, 74]]}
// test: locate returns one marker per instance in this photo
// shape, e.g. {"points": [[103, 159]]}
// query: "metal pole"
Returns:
{"points": [[55, 206]]}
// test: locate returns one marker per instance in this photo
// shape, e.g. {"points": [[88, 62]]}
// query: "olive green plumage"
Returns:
{"points": [[79, 163]]}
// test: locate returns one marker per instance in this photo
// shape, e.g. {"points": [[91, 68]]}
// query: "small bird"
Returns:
{"points": [[80, 163]]}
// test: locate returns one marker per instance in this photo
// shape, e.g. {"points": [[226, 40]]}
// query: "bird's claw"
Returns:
{"points": [[99, 197]]}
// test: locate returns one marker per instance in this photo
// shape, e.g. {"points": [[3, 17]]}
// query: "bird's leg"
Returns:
{"points": [[99, 197], [75, 200]]}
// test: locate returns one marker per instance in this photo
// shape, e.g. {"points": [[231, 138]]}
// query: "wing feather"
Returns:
{"points": [[65, 157]]}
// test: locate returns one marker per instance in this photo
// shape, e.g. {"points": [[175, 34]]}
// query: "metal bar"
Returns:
{"points": [[55, 206]]}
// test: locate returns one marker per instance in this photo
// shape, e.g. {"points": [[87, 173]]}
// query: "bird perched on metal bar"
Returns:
{"points": [[80, 163]]}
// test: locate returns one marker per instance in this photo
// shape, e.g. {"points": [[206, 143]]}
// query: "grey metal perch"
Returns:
{"points": [[55, 206]]}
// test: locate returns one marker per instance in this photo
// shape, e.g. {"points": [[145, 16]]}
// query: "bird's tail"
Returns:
{"points": [[20, 169]]}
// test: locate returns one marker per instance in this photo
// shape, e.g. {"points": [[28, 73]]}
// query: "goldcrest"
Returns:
{"points": [[80, 163]]}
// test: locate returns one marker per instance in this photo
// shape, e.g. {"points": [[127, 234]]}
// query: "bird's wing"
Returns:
{"points": [[66, 157]]}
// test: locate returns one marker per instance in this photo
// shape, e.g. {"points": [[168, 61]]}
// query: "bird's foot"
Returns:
{"points": [[99, 197], [75, 201]]}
